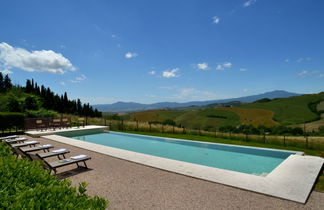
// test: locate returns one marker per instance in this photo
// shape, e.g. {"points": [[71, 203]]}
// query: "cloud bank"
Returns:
{"points": [[34, 61]]}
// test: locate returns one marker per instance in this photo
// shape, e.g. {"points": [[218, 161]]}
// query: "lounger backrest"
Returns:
{"points": [[56, 120], [65, 120], [39, 121], [81, 118]]}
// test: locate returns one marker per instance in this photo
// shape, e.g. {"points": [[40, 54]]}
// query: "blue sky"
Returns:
{"points": [[164, 50]]}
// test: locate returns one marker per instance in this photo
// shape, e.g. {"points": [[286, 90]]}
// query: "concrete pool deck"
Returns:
{"points": [[39, 133], [292, 180]]}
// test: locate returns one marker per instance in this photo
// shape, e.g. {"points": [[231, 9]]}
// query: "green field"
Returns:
{"points": [[206, 119], [289, 111]]}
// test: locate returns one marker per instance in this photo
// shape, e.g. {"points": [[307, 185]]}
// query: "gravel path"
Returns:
{"points": [[129, 185]]}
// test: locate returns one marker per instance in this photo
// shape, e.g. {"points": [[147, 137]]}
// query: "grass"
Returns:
{"points": [[210, 118], [253, 117], [319, 185], [289, 111]]}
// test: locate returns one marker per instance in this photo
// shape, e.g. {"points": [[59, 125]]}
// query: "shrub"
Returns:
{"points": [[25, 184], [10, 120], [41, 113]]}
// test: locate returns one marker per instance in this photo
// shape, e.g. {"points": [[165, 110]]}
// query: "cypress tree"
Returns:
{"points": [[7, 83], [1, 83]]}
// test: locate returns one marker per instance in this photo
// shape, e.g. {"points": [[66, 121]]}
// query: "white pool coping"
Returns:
{"points": [[293, 179], [38, 133]]}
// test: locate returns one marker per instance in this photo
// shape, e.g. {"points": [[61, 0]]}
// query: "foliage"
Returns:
{"points": [[41, 113], [261, 130], [26, 185], [10, 120], [60, 103], [33, 97], [262, 100]]}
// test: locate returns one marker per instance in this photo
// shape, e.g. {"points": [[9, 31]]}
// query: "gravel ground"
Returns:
{"points": [[129, 185]]}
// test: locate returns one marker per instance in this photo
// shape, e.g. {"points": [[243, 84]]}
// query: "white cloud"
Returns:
{"points": [[34, 61], [219, 67], [113, 36], [216, 19], [6, 71], [224, 65], [152, 72], [243, 69], [321, 75], [130, 55], [287, 60], [79, 78], [227, 65], [245, 90], [193, 94], [202, 66], [299, 60], [305, 73], [249, 3], [62, 83], [171, 73]]}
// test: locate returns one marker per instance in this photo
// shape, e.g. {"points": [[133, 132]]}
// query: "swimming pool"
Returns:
{"points": [[229, 157]]}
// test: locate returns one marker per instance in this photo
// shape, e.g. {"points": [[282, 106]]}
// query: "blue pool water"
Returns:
{"points": [[236, 158]]}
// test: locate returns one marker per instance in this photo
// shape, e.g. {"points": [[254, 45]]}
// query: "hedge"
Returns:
{"points": [[9, 120], [25, 184]]}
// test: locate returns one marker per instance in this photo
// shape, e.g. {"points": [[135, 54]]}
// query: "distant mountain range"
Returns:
{"points": [[132, 106]]}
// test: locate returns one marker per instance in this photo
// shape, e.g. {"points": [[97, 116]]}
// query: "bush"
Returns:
{"points": [[26, 185], [41, 113], [10, 120]]}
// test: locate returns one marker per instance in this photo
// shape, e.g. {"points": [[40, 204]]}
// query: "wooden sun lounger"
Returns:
{"points": [[53, 154], [53, 166], [16, 140], [19, 152], [26, 144], [8, 137], [37, 148]]}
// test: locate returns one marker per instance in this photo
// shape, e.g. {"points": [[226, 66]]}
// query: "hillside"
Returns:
{"points": [[293, 110], [284, 111], [131, 106]]}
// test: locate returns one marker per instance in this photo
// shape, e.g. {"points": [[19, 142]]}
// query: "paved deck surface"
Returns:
{"points": [[39, 133], [130, 185]]}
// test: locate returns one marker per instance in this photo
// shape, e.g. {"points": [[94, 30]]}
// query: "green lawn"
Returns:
{"points": [[319, 185]]}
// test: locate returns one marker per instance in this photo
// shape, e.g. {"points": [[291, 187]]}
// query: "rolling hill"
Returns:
{"points": [[132, 106], [283, 111]]}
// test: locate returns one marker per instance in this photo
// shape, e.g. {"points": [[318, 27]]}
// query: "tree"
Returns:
{"points": [[1, 83], [31, 103], [7, 83]]}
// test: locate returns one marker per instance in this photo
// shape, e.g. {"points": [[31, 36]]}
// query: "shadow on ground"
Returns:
{"points": [[72, 172]]}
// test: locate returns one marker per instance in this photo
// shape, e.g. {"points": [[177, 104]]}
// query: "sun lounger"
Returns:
{"points": [[54, 153], [26, 144], [53, 166], [9, 137], [19, 152], [16, 140], [44, 147]]}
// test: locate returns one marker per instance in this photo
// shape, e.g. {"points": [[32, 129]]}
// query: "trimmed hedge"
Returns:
{"points": [[25, 184], [10, 120]]}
